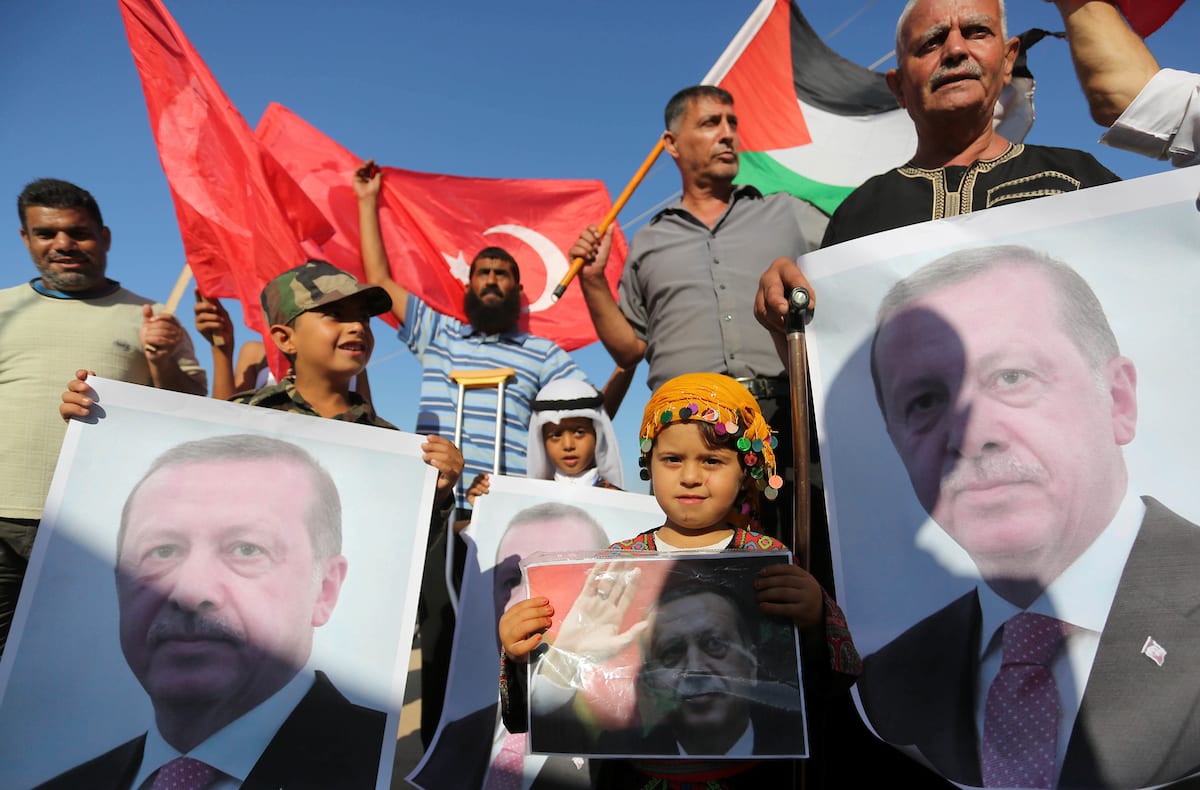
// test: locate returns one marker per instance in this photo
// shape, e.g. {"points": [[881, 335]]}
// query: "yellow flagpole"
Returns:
{"points": [[611, 216]]}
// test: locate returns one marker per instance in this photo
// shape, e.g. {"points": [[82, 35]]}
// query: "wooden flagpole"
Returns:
{"points": [[181, 284], [185, 277], [611, 216]]}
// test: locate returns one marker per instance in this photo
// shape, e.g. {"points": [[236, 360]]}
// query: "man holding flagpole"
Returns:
{"points": [[684, 304], [492, 338], [689, 279]]}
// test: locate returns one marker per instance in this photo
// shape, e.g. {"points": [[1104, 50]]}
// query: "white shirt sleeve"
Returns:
{"points": [[1163, 121]]}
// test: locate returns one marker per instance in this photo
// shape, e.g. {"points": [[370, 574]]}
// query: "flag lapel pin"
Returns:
{"points": [[1154, 651]]}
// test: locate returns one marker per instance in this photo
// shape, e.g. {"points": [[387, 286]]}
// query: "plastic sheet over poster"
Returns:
{"points": [[659, 655]]}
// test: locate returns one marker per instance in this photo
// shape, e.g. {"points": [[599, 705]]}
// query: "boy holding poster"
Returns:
{"points": [[709, 453], [320, 318]]}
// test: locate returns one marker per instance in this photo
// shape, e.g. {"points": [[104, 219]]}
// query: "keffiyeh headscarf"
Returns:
{"points": [[559, 400], [730, 409]]}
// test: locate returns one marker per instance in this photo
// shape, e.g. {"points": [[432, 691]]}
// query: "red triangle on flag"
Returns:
{"points": [[764, 92]]}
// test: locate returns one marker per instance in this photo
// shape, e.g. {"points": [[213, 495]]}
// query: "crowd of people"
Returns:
{"points": [[702, 299]]}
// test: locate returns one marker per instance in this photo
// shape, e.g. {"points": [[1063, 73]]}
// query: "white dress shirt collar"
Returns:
{"points": [[1082, 596], [234, 749], [1084, 592]]}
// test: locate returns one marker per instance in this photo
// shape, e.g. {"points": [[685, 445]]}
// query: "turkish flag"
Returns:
{"points": [[225, 185], [433, 225], [1146, 16]]}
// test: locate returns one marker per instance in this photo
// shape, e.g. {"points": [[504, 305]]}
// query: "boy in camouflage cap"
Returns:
{"points": [[316, 284], [320, 317]]}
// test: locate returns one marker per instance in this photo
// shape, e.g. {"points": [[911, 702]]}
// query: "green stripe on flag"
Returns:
{"points": [[769, 176]]}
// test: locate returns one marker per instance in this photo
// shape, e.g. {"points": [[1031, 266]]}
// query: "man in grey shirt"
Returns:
{"points": [[688, 288], [687, 292]]}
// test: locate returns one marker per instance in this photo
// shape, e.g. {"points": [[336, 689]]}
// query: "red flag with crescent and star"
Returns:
{"points": [[433, 225], [241, 217]]}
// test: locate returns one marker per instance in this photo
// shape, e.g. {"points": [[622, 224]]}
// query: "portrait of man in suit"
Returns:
{"points": [[1072, 664], [700, 672], [228, 557], [550, 527], [699, 663], [714, 678], [465, 751]]}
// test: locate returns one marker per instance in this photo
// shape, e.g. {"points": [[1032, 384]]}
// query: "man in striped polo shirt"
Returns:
{"points": [[490, 339]]}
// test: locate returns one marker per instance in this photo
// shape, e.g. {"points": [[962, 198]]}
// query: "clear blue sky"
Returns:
{"points": [[539, 89]]}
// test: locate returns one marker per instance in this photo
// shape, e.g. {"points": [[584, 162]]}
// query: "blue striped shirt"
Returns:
{"points": [[443, 344]]}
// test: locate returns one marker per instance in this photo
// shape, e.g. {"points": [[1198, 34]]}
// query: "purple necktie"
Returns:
{"points": [[509, 766], [184, 773], [1021, 717]]}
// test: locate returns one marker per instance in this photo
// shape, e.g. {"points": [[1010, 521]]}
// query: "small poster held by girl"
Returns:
{"points": [[659, 656]]}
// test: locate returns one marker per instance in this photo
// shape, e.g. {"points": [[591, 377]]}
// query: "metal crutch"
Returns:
{"points": [[469, 380]]}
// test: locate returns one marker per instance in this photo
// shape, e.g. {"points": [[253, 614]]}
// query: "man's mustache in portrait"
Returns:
{"points": [[183, 626], [987, 472]]}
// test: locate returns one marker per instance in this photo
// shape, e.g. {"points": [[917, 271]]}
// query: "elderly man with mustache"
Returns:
{"points": [[228, 556], [1072, 663], [953, 59]]}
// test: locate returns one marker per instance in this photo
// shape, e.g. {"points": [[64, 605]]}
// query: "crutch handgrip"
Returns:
{"points": [[491, 377]]}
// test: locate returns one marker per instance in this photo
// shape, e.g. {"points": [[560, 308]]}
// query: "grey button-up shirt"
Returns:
{"points": [[688, 290]]}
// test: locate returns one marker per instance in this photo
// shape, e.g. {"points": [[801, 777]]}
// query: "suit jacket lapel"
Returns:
{"points": [[951, 697], [1137, 723], [116, 769], [325, 742], [919, 690]]}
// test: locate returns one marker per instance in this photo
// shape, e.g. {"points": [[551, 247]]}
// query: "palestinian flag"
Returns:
{"points": [[811, 122], [823, 126]]}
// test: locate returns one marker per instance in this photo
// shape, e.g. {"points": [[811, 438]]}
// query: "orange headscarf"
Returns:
{"points": [[731, 411]]}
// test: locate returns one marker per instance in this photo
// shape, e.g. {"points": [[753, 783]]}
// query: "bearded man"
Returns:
{"points": [[490, 339]]}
